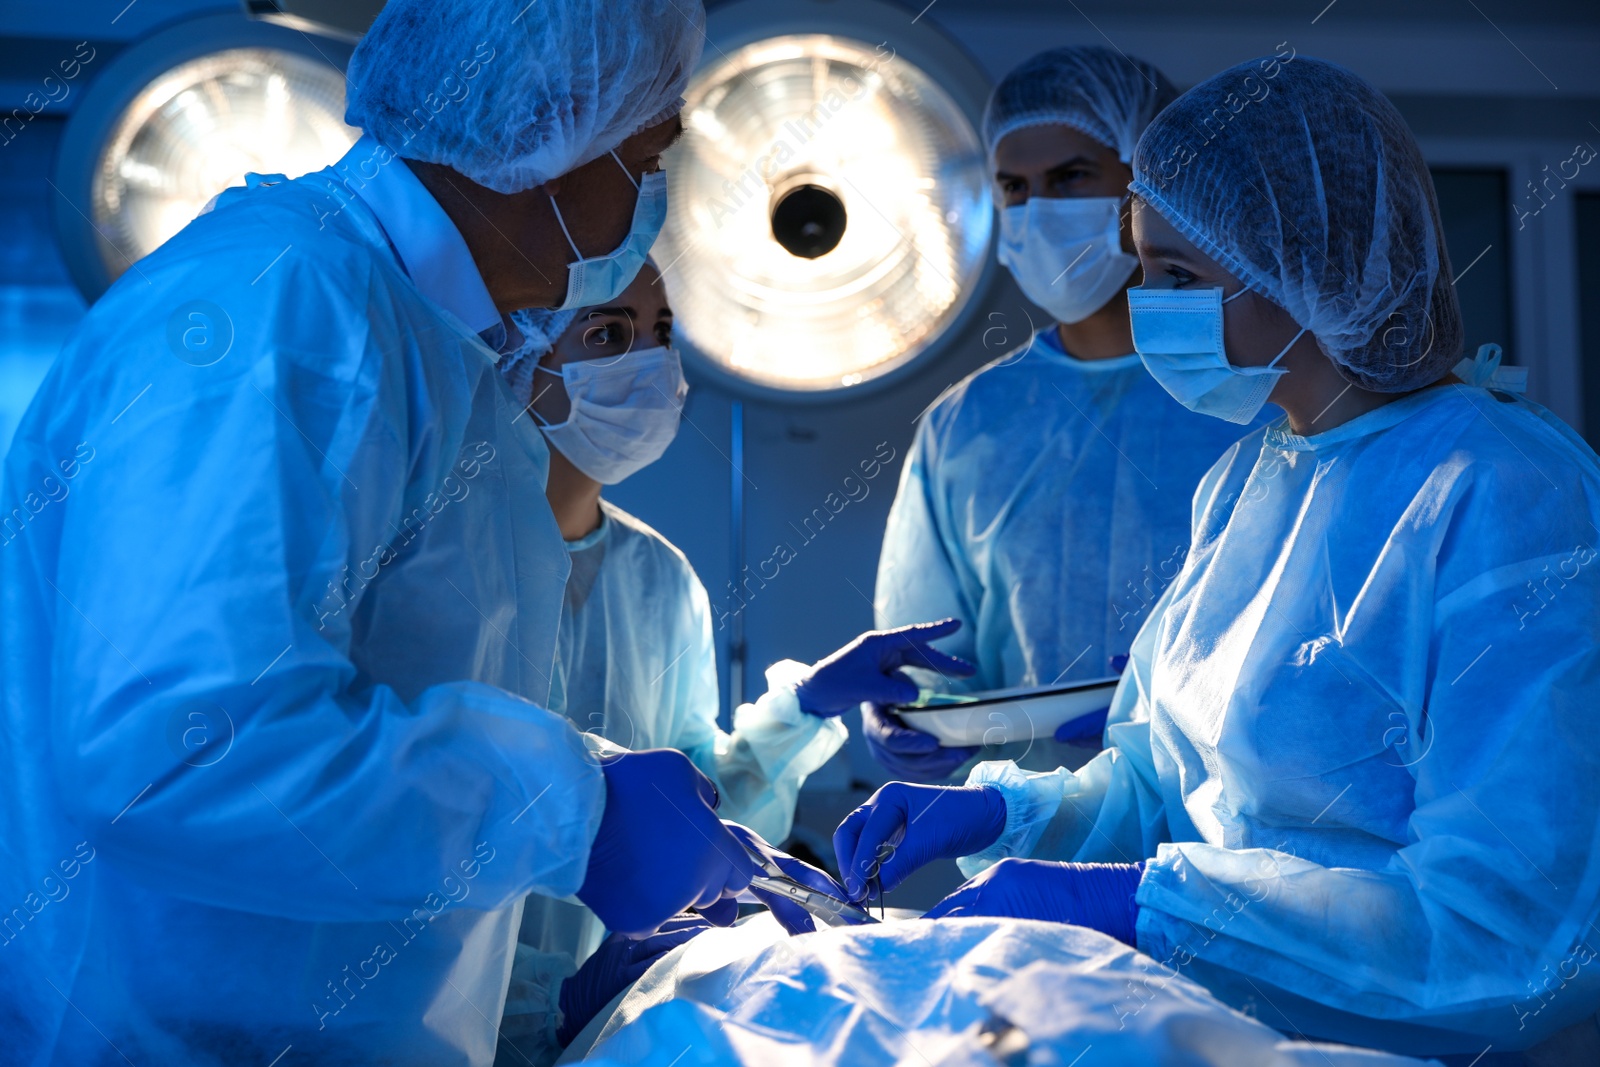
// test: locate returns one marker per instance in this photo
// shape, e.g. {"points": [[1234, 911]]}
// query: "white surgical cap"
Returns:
{"points": [[1098, 92], [1304, 182], [540, 328], [512, 93]]}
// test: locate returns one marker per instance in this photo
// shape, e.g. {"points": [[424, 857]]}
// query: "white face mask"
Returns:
{"points": [[1178, 335], [1066, 253], [624, 412], [596, 280]]}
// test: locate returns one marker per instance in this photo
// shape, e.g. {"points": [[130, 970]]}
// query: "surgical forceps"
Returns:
{"points": [[823, 907]]}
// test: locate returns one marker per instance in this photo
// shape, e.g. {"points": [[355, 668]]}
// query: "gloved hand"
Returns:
{"points": [[791, 916], [909, 753], [616, 964], [868, 669], [1096, 895], [1090, 729], [660, 848], [910, 825], [1084, 729]]}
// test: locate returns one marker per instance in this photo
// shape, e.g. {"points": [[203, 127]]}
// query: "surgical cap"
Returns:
{"points": [[1098, 92], [540, 327], [511, 93], [1303, 181]]}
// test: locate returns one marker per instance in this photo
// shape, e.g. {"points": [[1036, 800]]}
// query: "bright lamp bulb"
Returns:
{"points": [[829, 213], [199, 128]]}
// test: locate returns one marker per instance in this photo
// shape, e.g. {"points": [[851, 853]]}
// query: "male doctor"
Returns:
{"points": [[275, 776]]}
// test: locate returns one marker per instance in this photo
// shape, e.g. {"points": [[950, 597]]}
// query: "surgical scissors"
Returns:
{"points": [[824, 907]]}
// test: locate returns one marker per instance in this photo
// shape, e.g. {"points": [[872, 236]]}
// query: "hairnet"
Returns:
{"points": [[540, 327], [1098, 92], [1304, 182], [512, 94]]}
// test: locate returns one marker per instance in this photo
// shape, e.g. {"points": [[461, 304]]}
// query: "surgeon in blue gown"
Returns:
{"points": [[279, 612], [1352, 777], [1045, 502]]}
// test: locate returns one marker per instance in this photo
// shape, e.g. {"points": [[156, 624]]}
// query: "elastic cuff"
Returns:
{"points": [[554, 1026], [1157, 932], [1022, 814], [1130, 934], [779, 703], [601, 747], [1150, 935], [780, 709]]}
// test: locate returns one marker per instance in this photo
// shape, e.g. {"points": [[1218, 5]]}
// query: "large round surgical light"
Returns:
{"points": [[180, 116], [830, 215], [200, 128]]}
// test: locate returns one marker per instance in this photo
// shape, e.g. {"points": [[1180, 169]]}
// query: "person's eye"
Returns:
{"points": [[664, 335], [1180, 277], [1013, 186], [605, 335]]}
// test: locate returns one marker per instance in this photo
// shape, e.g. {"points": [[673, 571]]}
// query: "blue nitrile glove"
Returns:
{"points": [[909, 753], [723, 911], [616, 964], [1084, 729], [1091, 728], [1096, 895], [868, 669], [661, 848], [791, 916], [910, 825]]}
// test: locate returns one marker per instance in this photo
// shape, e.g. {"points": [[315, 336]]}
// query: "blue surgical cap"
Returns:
{"points": [[1098, 92], [1304, 182], [512, 93], [540, 327]]}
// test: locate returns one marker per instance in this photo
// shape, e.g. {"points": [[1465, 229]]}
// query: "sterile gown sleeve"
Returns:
{"points": [[532, 1014], [1111, 810], [240, 501]]}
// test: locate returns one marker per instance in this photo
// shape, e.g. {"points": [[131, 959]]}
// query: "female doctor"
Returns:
{"points": [[1352, 781], [635, 662]]}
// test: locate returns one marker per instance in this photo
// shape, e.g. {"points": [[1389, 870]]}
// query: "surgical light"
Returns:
{"points": [[181, 115], [200, 128], [830, 217]]}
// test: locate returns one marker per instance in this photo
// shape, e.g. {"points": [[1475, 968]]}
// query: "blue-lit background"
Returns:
{"points": [[39, 305]]}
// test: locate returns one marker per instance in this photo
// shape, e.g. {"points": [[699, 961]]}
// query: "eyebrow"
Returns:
{"points": [[615, 312], [1163, 252], [1075, 161]]}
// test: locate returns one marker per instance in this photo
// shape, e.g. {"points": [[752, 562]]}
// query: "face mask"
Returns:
{"points": [[1066, 254], [601, 279], [1178, 334], [624, 412]]}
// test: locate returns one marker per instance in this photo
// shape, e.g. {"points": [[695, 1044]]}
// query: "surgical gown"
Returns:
{"points": [[636, 665], [1045, 504], [1359, 741], [278, 608]]}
